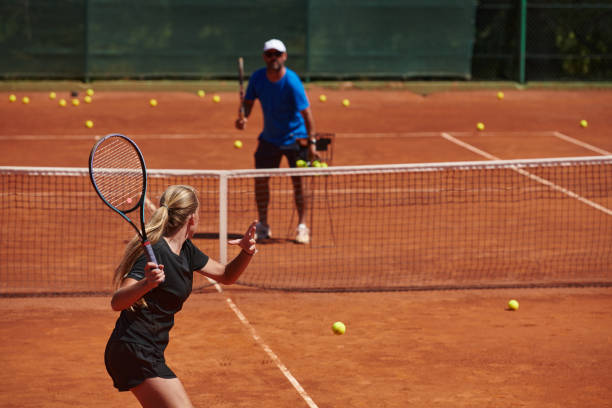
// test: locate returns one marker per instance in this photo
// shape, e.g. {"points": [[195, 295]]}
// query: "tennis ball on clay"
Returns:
{"points": [[25, 100], [513, 304], [75, 102], [52, 95], [338, 328], [584, 123], [201, 93], [323, 98], [90, 92], [62, 102], [89, 124], [346, 102], [12, 98], [238, 144], [300, 163], [480, 126], [500, 95], [87, 99], [323, 164], [216, 98], [153, 102]]}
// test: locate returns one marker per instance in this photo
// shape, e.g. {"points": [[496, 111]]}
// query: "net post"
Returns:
{"points": [[223, 217]]}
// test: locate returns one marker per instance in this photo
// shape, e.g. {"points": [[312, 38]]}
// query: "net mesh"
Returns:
{"points": [[453, 225]]}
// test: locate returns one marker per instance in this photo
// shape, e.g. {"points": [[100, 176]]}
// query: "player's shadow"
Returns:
{"points": [[267, 241], [215, 235], [270, 241]]}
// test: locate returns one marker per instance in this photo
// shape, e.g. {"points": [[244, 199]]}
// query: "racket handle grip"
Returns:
{"points": [[149, 250]]}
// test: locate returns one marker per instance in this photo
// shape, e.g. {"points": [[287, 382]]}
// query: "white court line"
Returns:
{"points": [[298, 387], [134, 136], [580, 143], [529, 175], [469, 147], [204, 136]]}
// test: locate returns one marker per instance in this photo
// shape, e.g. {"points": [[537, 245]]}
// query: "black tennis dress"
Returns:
{"points": [[135, 349]]}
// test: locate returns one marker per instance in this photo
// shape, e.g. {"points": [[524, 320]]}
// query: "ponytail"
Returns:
{"points": [[176, 205]]}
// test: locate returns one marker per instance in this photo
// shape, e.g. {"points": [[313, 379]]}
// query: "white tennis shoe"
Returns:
{"points": [[303, 234]]}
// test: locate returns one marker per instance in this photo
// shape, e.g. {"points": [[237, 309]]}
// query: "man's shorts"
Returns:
{"points": [[129, 364], [269, 156]]}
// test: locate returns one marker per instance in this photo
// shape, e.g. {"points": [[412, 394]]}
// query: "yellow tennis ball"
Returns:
{"points": [[480, 126], [323, 164], [75, 102], [52, 95], [322, 98], [62, 102], [500, 95], [216, 98], [300, 163], [89, 124], [513, 304], [316, 163], [90, 92], [584, 123], [201, 93], [87, 99], [346, 102], [25, 100], [338, 328], [153, 102], [238, 144], [12, 98]]}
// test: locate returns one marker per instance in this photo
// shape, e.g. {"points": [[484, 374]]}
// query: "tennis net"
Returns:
{"points": [[545, 222]]}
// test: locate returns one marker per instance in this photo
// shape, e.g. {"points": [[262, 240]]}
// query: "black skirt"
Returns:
{"points": [[129, 364]]}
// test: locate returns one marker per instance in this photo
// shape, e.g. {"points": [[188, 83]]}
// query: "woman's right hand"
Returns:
{"points": [[154, 274]]}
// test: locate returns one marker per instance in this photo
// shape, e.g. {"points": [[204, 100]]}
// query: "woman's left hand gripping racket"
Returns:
{"points": [[118, 173]]}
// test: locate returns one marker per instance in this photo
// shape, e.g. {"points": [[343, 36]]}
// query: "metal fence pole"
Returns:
{"points": [[86, 75], [522, 40], [307, 40]]}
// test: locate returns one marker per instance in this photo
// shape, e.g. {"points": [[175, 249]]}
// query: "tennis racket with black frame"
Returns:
{"points": [[118, 174]]}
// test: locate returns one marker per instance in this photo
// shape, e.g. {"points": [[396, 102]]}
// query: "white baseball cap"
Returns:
{"points": [[274, 44]]}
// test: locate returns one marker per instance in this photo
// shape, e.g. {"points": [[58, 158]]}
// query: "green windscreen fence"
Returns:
{"points": [[93, 39], [564, 40], [337, 39], [41, 38]]}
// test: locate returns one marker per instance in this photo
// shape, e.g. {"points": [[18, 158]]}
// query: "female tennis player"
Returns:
{"points": [[149, 295]]}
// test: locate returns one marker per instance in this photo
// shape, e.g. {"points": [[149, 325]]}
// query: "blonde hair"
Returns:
{"points": [[176, 205]]}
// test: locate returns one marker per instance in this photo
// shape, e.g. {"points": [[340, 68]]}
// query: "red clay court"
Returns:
{"points": [[249, 347]]}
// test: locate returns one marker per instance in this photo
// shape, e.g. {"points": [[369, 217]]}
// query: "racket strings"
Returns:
{"points": [[118, 173]]}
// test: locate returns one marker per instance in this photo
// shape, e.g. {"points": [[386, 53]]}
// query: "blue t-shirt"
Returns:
{"points": [[281, 103]]}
